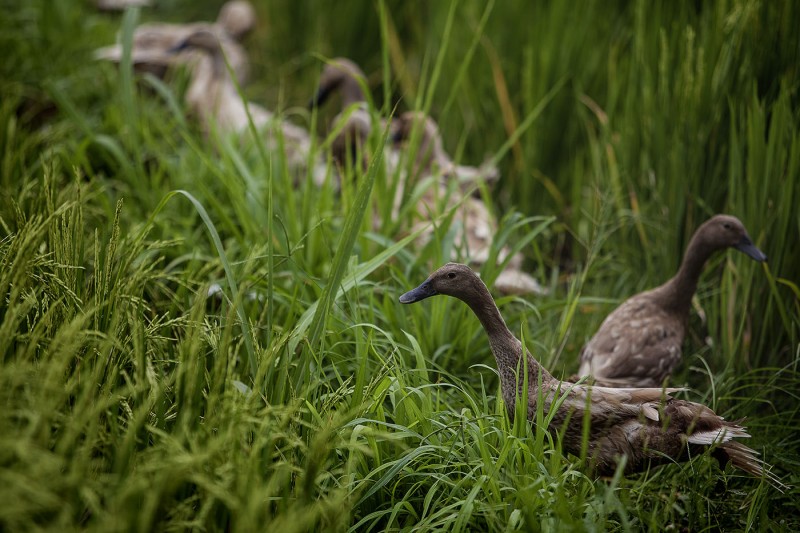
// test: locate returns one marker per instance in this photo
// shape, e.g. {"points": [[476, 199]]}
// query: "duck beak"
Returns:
{"points": [[746, 246], [396, 136], [319, 98], [425, 290], [178, 48]]}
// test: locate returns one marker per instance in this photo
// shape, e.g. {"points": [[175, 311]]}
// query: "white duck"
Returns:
{"points": [[152, 42], [432, 159], [213, 98], [477, 225]]}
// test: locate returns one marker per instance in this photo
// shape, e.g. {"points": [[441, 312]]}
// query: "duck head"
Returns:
{"points": [[453, 279], [202, 40], [237, 18], [726, 231], [343, 75]]}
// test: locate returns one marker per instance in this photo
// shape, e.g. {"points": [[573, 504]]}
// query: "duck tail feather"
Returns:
{"points": [[745, 458]]}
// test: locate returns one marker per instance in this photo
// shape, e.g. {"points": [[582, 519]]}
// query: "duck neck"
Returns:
{"points": [[677, 293], [219, 69], [438, 155], [506, 348], [431, 157], [204, 85]]}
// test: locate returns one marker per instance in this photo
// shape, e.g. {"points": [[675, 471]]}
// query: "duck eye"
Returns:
{"points": [[726, 226], [451, 275]]}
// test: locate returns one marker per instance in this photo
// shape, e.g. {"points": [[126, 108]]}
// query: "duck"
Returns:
{"points": [[645, 426], [476, 224], [213, 98], [639, 343], [150, 50], [431, 157], [355, 122]]}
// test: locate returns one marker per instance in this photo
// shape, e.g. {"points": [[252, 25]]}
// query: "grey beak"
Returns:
{"points": [[425, 290], [746, 246], [178, 48], [320, 97]]}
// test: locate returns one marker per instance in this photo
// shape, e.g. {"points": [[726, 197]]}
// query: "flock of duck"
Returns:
{"points": [[634, 421]]}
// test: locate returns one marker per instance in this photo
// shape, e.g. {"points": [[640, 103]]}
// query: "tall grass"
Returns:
{"points": [[303, 396]]}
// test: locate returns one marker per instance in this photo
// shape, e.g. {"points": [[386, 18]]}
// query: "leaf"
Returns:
{"points": [[345, 246]]}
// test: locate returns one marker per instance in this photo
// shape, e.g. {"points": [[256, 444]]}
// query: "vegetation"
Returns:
{"points": [[304, 396]]}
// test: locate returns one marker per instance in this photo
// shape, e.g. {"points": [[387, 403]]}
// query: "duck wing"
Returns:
{"points": [[638, 344], [611, 404]]}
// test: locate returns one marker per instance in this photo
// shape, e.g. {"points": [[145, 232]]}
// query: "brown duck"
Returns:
{"points": [[645, 425], [639, 344]]}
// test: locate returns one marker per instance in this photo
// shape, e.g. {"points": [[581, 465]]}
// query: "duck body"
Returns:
{"points": [[213, 98], [646, 426], [639, 343], [431, 158], [477, 226], [474, 224]]}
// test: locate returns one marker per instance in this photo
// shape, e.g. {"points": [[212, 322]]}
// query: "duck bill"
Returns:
{"points": [[178, 48], [746, 246], [425, 290], [319, 98]]}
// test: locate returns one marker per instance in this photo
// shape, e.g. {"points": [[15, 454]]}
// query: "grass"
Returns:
{"points": [[305, 397]]}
